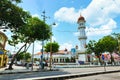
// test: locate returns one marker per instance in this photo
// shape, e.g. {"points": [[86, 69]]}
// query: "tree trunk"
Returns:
{"points": [[13, 59], [112, 59], [100, 60]]}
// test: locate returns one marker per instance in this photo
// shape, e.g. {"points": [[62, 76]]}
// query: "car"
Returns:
{"points": [[37, 63], [19, 63], [28, 64]]}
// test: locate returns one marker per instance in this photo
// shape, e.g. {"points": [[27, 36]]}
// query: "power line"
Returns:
{"points": [[89, 30]]}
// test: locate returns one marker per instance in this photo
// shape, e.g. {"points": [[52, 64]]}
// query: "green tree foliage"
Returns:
{"points": [[91, 46], [117, 37], [20, 56], [106, 44], [19, 22], [35, 29], [55, 47], [109, 43], [23, 56], [12, 16], [95, 47]]}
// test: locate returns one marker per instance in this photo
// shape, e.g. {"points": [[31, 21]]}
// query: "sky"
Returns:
{"points": [[102, 18]]}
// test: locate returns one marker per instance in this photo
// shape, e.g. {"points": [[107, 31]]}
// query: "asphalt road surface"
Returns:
{"points": [[110, 76], [30, 75], [62, 72]]}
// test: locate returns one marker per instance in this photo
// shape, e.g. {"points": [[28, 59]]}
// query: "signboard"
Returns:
{"points": [[73, 50], [103, 57]]}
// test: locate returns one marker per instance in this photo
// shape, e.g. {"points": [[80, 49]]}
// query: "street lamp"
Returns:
{"points": [[51, 46]]}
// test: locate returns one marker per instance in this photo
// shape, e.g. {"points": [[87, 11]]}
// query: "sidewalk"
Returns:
{"points": [[77, 72], [74, 72], [20, 69]]}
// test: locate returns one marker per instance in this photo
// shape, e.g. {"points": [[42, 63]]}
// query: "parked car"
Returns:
{"points": [[28, 64], [37, 63], [19, 63]]}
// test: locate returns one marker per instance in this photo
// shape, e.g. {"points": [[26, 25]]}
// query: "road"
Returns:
{"points": [[30, 75], [110, 76], [53, 73]]}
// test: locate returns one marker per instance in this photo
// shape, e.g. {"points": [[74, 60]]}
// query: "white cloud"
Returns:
{"points": [[99, 12], [66, 14], [99, 15], [102, 30], [66, 45], [35, 15]]}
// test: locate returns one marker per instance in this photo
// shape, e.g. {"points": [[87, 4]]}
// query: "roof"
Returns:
{"points": [[59, 52], [39, 53], [81, 18]]}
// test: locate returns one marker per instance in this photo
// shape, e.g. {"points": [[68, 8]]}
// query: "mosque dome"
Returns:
{"points": [[81, 18]]}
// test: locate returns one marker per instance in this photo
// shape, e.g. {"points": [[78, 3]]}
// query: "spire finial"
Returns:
{"points": [[80, 13]]}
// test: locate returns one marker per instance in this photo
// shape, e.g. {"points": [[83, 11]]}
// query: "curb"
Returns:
{"points": [[14, 72], [68, 76]]}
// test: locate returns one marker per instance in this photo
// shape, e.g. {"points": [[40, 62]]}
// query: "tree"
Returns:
{"points": [[55, 47], [51, 47], [12, 16], [117, 37], [20, 56], [109, 44], [91, 46], [27, 56], [35, 29], [25, 29], [23, 56], [31, 31], [95, 47]]}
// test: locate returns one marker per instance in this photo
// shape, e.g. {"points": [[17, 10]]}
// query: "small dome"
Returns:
{"points": [[81, 18]]}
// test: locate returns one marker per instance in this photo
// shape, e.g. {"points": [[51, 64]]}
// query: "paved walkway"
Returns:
{"points": [[83, 71], [19, 69], [77, 72]]}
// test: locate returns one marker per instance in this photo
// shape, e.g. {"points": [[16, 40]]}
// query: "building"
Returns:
{"points": [[59, 56], [81, 56], [3, 55]]}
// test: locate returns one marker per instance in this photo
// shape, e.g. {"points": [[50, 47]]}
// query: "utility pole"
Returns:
{"points": [[32, 57], [44, 19]]}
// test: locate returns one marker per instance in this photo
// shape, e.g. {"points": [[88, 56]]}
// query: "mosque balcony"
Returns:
{"points": [[81, 27], [82, 37]]}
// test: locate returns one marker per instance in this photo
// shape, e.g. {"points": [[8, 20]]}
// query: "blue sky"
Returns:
{"points": [[102, 18]]}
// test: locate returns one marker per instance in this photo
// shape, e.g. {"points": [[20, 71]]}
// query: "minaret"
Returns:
{"points": [[82, 38], [82, 35]]}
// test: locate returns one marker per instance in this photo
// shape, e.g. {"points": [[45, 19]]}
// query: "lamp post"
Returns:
{"points": [[51, 46]]}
